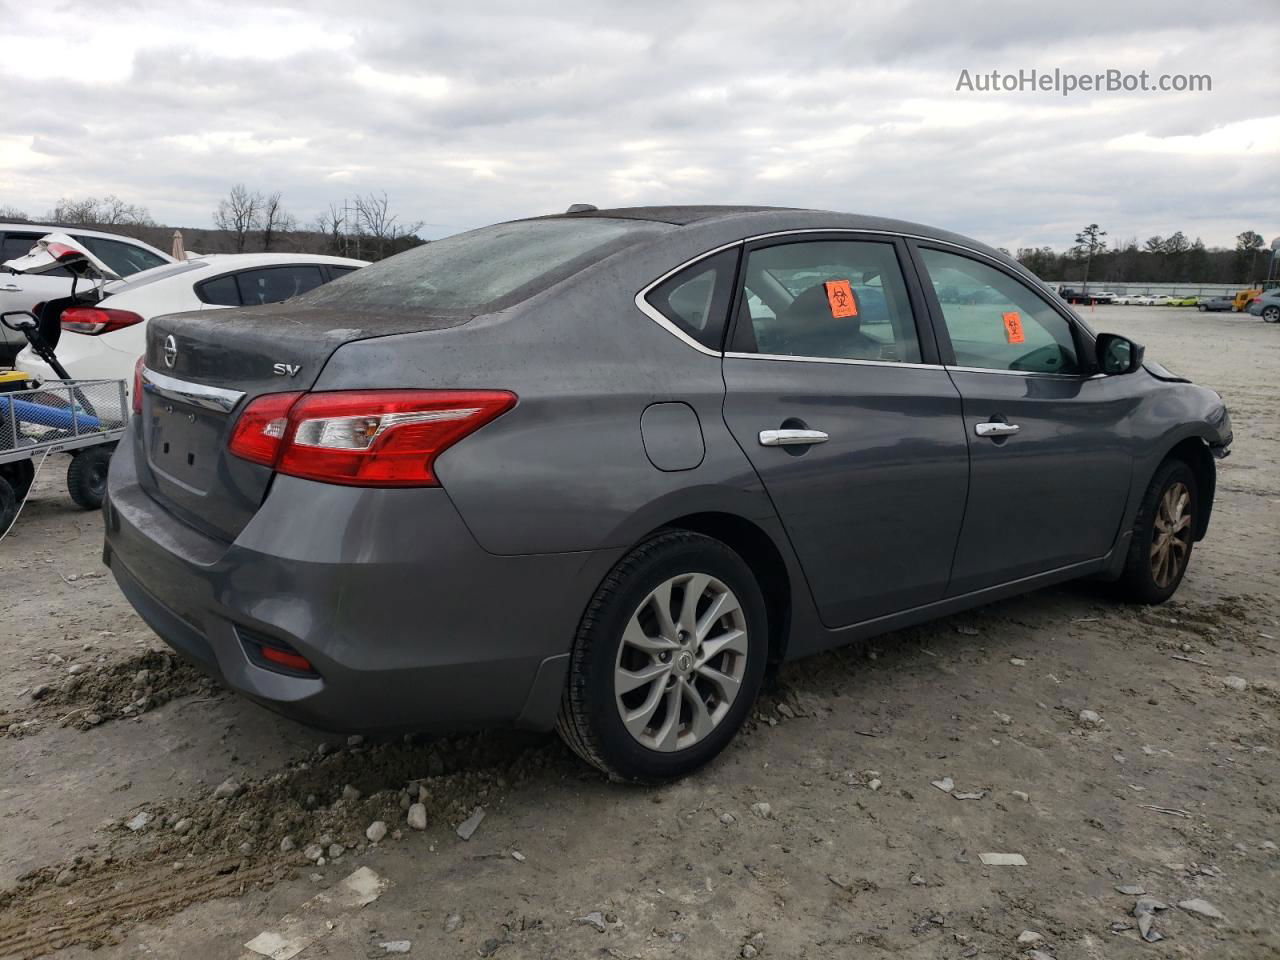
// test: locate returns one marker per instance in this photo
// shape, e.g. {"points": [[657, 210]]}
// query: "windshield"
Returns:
{"points": [[485, 269]]}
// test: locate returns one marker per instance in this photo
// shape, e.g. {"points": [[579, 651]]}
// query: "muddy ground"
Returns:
{"points": [[1174, 792]]}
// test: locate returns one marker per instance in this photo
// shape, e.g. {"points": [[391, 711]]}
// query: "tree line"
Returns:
{"points": [[1158, 259], [247, 220]]}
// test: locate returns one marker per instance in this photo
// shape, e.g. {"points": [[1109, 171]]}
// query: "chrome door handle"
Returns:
{"points": [[996, 429], [10, 288], [790, 438]]}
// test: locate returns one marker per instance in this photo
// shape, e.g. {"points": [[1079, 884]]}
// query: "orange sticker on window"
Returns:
{"points": [[840, 298], [1012, 327]]}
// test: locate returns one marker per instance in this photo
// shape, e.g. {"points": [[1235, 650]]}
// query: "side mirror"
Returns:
{"points": [[1117, 354]]}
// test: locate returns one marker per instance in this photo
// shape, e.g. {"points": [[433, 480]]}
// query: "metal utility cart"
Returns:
{"points": [[83, 418]]}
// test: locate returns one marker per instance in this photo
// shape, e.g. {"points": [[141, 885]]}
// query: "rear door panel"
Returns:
{"points": [[874, 512]]}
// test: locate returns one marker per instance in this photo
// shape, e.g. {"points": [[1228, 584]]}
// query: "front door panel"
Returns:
{"points": [[1051, 494]]}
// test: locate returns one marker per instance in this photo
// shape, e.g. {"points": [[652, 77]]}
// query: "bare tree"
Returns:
{"points": [[239, 213], [109, 211], [275, 219], [1247, 246], [332, 223], [13, 213], [377, 224], [1089, 242]]}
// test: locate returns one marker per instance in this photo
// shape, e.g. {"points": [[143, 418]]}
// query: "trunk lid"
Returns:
{"points": [[202, 369], [60, 250]]}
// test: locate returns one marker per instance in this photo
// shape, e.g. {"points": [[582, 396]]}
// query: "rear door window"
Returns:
{"points": [[995, 322], [274, 284], [124, 258], [836, 299]]}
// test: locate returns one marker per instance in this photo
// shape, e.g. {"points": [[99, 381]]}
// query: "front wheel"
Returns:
{"points": [[1271, 314], [1163, 536], [668, 660]]}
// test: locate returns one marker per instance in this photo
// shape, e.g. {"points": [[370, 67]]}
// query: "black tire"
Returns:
{"points": [[8, 506], [19, 475], [590, 721], [1201, 307], [1271, 314], [1138, 582], [87, 476]]}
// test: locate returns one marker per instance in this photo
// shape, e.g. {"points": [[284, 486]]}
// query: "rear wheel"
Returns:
{"points": [[87, 476], [668, 660], [20, 476], [1163, 536], [8, 506], [1202, 307]]}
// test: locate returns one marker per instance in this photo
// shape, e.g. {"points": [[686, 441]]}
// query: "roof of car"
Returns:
{"points": [[677, 215]]}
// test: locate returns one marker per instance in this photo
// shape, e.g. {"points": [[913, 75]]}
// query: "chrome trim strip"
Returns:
{"points": [[1026, 373], [653, 314], [857, 363], [196, 394]]}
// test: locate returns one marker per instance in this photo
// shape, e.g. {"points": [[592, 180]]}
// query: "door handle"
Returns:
{"points": [[10, 288], [992, 429], [791, 438]]}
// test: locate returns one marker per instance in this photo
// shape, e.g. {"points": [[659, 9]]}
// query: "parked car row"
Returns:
{"points": [[99, 330]]}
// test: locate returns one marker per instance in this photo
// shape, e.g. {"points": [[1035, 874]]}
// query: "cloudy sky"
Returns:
{"points": [[467, 113]]}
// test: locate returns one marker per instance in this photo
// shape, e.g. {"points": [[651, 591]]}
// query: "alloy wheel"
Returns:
{"points": [[1171, 535], [681, 662]]}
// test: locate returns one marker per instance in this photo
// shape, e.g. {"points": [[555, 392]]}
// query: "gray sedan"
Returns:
{"points": [[603, 471]]}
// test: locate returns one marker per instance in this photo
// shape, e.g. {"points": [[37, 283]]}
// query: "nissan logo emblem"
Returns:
{"points": [[170, 351]]}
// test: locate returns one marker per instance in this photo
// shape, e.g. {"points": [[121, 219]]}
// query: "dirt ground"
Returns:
{"points": [[1173, 794]]}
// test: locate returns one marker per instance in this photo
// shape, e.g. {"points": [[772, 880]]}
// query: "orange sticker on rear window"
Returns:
{"points": [[840, 298], [1012, 327]]}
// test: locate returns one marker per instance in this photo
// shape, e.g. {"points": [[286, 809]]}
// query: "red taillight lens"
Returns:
{"points": [[259, 433], [94, 321], [60, 251], [374, 438], [136, 399]]}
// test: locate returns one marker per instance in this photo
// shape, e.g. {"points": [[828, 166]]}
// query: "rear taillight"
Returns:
{"points": [[259, 433], [374, 438], [136, 399], [94, 321]]}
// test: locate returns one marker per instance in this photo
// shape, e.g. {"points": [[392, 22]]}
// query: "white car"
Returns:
{"points": [[1134, 299], [124, 255], [101, 335]]}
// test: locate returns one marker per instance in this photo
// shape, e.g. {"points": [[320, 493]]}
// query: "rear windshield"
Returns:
{"points": [[485, 269]]}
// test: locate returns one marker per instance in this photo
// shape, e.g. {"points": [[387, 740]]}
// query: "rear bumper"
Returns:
{"points": [[409, 624]]}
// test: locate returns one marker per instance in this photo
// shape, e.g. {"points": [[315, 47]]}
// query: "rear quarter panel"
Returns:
{"points": [[566, 469]]}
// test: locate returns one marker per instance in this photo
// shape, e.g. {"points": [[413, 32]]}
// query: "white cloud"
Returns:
{"points": [[470, 114]]}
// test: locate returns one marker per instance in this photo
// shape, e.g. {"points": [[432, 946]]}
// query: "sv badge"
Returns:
{"points": [[286, 369]]}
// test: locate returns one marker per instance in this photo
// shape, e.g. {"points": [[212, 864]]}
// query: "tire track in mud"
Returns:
{"points": [[105, 906], [225, 846]]}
